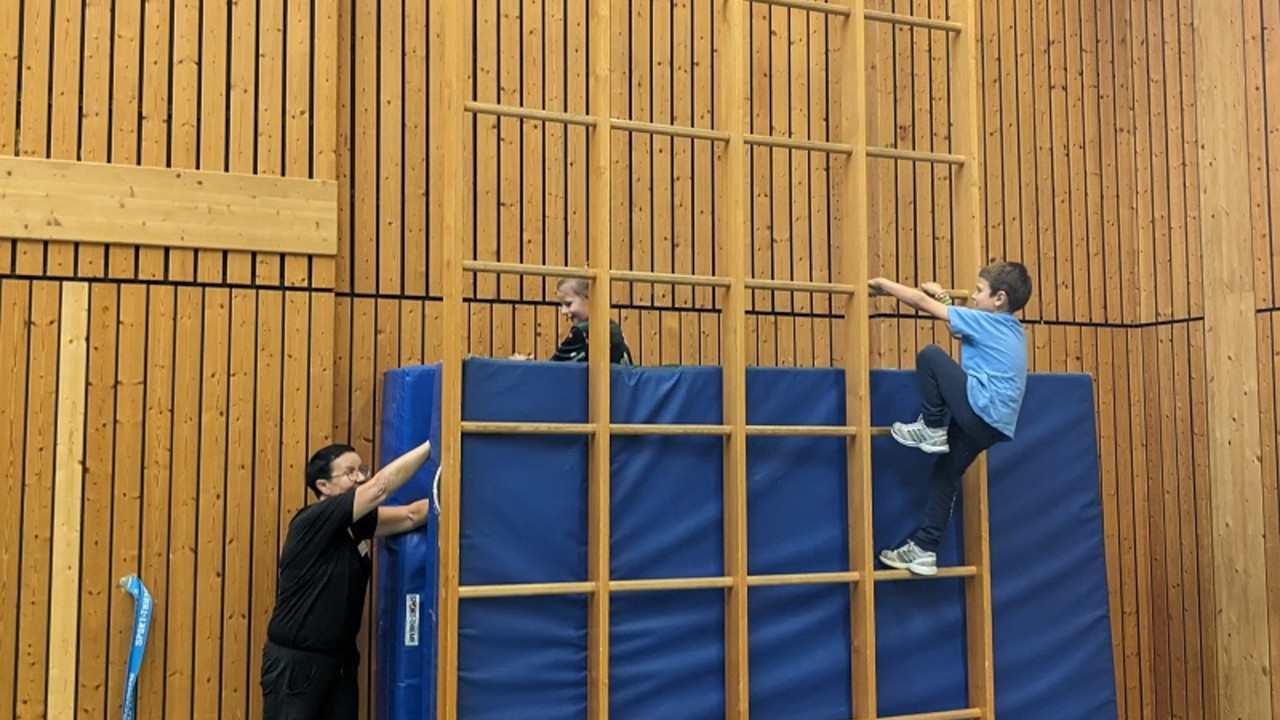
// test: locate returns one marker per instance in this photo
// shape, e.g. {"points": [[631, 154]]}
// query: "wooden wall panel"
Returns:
{"points": [[157, 494], [169, 83], [175, 386], [31, 630], [15, 310], [1263, 68], [242, 364]]}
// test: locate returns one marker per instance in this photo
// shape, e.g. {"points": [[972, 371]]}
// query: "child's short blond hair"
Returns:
{"points": [[578, 286]]}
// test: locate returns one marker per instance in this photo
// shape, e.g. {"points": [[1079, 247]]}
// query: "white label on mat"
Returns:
{"points": [[411, 620]]}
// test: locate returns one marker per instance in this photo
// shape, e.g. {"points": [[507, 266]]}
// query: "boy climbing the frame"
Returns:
{"points": [[574, 295], [966, 407]]}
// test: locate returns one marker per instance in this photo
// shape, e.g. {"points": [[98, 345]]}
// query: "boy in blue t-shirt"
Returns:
{"points": [[967, 407]]}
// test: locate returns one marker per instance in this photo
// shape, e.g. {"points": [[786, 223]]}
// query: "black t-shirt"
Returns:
{"points": [[573, 348], [324, 571]]}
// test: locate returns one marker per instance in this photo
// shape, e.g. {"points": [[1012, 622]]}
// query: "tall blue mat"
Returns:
{"points": [[524, 519], [407, 581]]}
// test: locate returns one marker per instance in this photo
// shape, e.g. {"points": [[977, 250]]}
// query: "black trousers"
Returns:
{"points": [[302, 685], [944, 392]]}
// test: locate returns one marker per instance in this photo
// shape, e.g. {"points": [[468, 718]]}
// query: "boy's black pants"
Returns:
{"points": [[944, 393], [302, 685]]}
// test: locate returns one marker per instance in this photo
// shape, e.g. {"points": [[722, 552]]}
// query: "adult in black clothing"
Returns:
{"points": [[310, 659]]}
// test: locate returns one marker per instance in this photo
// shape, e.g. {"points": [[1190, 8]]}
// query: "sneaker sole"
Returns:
{"points": [[922, 447], [925, 570]]}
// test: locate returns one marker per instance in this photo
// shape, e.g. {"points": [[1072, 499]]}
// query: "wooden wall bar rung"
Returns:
{"points": [[475, 427], [800, 286], [669, 278], [655, 584], [663, 429], [958, 571], [526, 589], [802, 430], [889, 153], [810, 5], [525, 113], [798, 144], [506, 268], [965, 714], [668, 130], [689, 583], [956, 295], [892, 18], [827, 578]]}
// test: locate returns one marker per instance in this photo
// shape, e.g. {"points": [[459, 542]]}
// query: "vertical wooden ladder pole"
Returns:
{"points": [[734, 235], [599, 35], [454, 235], [857, 357], [968, 237]]}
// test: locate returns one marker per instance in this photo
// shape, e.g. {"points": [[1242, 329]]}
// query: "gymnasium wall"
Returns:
{"points": [[1092, 179], [211, 373], [157, 404]]}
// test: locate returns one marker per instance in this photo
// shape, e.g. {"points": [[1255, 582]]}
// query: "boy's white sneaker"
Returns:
{"points": [[910, 557], [918, 435]]}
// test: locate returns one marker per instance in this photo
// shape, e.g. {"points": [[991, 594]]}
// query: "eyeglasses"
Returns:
{"points": [[363, 470]]}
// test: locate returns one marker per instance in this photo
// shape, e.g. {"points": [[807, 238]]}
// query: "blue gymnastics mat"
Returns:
{"points": [[524, 519]]}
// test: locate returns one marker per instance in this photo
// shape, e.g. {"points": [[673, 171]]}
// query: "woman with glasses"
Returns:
{"points": [[309, 662]]}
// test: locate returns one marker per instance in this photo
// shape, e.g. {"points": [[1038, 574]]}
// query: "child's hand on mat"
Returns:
{"points": [[521, 356]]}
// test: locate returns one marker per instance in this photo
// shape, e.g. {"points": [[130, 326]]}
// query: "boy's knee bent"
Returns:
{"points": [[930, 354]]}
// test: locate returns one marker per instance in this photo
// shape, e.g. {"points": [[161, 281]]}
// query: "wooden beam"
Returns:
{"points": [[1241, 521], [969, 236], [957, 571], [792, 579], [450, 227], [798, 144], [808, 5], [891, 18], [734, 238], [851, 174], [526, 589], [965, 714], [802, 430], [72, 201], [507, 268], [670, 278], [655, 584], [667, 429], [527, 428], [802, 286], [600, 183], [669, 130], [524, 113], [891, 153]]}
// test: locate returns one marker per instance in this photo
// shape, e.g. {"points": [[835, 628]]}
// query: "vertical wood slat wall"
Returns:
{"points": [[208, 375], [1091, 178]]}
